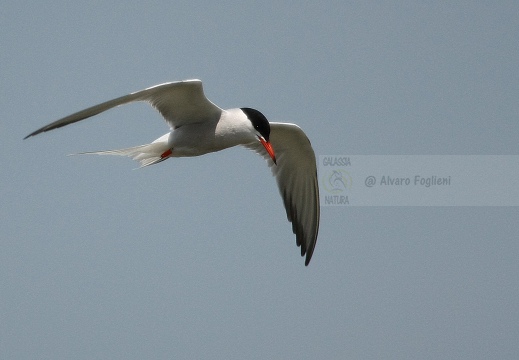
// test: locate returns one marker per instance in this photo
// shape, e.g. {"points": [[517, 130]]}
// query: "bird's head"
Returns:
{"points": [[261, 128]]}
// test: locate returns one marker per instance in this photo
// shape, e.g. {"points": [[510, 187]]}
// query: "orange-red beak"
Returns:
{"points": [[266, 144]]}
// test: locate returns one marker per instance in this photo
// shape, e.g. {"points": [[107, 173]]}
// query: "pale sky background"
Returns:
{"points": [[193, 258]]}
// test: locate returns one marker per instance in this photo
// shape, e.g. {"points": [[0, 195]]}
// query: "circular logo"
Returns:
{"points": [[336, 181]]}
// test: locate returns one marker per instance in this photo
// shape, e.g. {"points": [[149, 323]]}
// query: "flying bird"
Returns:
{"points": [[199, 127]]}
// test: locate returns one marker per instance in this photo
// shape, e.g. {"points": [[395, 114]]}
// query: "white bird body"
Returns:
{"points": [[199, 127]]}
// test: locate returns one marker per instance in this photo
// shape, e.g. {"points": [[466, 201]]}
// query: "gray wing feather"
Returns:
{"points": [[296, 176], [180, 103]]}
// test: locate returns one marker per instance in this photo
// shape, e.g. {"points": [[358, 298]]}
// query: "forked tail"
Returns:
{"points": [[146, 155]]}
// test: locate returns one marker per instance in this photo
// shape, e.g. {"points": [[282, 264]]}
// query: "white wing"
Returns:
{"points": [[180, 103], [296, 175]]}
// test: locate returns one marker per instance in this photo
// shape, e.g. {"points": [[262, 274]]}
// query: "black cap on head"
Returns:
{"points": [[259, 121]]}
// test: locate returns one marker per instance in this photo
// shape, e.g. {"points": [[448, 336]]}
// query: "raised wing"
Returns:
{"points": [[181, 102], [296, 176]]}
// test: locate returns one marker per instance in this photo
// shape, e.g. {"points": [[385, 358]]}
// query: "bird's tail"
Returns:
{"points": [[146, 155]]}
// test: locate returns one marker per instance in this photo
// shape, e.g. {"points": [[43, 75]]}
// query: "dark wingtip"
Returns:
{"points": [[39, 131], [34, 133], [308, 257]]}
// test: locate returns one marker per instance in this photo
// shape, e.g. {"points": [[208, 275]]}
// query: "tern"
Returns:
{"points": [[199, 127]]}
